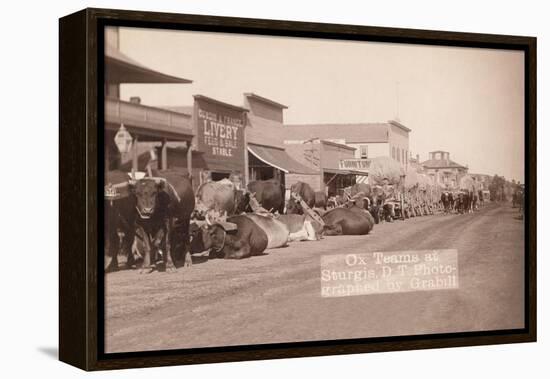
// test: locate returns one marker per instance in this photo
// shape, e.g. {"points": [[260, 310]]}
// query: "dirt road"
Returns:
{"points": [[276, 298]]}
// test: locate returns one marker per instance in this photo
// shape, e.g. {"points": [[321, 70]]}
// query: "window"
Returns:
{"points": [[393, 152], [364, 151], [403, 156], [398, 155]]}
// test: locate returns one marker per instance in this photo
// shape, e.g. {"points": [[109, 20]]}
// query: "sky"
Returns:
{"points": [[463, 100]]}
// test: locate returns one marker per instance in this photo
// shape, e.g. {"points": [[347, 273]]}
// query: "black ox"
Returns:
{"points": [[270, 194], [155, 215]]}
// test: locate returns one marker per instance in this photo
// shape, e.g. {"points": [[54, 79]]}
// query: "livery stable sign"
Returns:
{"points": [[355, 164], [220, 133]]}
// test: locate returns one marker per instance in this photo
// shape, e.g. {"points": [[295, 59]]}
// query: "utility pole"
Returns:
{"points": [[397, 101]]}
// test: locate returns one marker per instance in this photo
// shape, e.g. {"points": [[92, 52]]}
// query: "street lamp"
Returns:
{"points": [[123, 140]]}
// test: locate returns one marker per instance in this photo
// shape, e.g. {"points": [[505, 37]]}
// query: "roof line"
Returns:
{"points": [[175, 109], [457, 165], [399, 125], [206, 98], [339, 123], [338, 145], [268, 146], [265, 100]]}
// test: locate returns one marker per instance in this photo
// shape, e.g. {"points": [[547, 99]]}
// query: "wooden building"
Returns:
{"points": [[341, 152], [267, 154], [326, 158], [254, 148], [219, 149], [375, 139], [148, 126]]}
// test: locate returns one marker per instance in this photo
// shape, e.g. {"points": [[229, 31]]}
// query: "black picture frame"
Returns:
{"points": [[80, 184]]}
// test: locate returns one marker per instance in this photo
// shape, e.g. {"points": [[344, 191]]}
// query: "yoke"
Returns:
{"points": [[311, 213]]}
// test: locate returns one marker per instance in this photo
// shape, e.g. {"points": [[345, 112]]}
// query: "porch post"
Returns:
{"points": [[135, 155], [246, 163], [189, 158], [163, 155]]}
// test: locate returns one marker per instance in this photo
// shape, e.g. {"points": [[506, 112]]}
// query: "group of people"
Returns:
{"points": [[518, 198]]}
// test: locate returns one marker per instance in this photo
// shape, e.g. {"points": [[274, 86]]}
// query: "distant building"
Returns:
{"points": [[327, 159], [341, 152], [389, 139], [443, 170], [483, 179]]}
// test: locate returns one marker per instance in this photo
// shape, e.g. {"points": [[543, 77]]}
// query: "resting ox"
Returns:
{"points": [[360, 210], [360, 200], [347, 221], [238, 238], [277, 232]]}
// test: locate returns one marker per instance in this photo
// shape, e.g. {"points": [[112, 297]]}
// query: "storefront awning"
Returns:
{"points": [[279, 159], [336, 171]]}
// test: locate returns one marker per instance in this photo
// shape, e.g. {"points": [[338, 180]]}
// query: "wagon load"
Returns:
{"points": [[411, 178], [433, 190], [385, 168], [424, 182]]}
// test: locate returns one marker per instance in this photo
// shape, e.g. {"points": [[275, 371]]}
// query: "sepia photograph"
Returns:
{"points": [[272, 189]]}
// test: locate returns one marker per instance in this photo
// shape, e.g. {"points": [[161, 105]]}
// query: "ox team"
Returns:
{"points": [[159, 222]]}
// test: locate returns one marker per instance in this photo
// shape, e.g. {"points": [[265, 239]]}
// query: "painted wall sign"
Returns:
{"points": [[220, 134], [354, 164]]}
